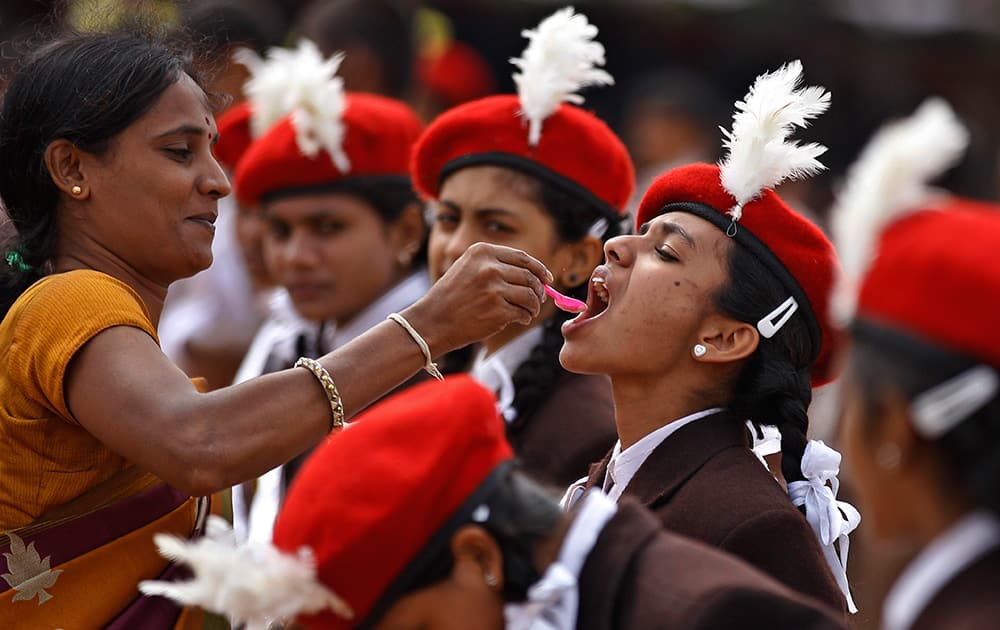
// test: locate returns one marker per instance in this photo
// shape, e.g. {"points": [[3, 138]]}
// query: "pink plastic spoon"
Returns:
{"points": [[566, 303]]}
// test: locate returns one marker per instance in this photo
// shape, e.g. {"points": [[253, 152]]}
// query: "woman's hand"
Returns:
{"points": [[488, 288]]}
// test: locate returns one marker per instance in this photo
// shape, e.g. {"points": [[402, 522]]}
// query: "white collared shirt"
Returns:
{"points": [[496, 371], [553, 602], [948, 555], [256, 522], [624, 464]]}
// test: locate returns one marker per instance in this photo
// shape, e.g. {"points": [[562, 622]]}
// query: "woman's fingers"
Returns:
{"points": [[488, 288]]}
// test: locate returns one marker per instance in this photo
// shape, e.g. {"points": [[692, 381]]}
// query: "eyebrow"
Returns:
{"points": [[188, 130], [478, 211], [667, 228]]}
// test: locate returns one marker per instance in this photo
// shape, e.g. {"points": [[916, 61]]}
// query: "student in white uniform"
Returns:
{"points": [[921, 419], [343, 238]]}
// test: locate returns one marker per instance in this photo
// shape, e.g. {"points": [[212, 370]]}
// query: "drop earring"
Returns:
{"points": [[700, 350]]}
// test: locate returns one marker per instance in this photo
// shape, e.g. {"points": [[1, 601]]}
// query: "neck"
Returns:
{"points": [[644, 404], [153, 294]]}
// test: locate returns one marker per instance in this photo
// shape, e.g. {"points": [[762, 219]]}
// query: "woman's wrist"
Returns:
{"points": [[431, 328]]}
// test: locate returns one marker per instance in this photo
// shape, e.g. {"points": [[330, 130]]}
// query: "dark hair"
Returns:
{"points": [[85, 88], [884, 361], [219, 25], [522, 514], [773, 385], [382, 26], [534, 379]]}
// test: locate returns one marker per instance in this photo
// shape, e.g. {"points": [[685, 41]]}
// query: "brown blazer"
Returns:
{"points": [[969, 601], [572, 428], [704, 482], [639, 577]]}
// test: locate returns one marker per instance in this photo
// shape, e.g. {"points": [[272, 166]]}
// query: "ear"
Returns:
{"points": [[575, 261], [65, 163], [727, 340], [477, 557], [407, 232]]}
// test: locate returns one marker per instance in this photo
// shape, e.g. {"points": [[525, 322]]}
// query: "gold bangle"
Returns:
{"points": [[329, 388], [429, 366]]}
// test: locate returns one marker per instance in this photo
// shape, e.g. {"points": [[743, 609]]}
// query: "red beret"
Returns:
{"points": [[234, 134], [935, 278], [371, 497], [457, 75], [379, 134], [790, 245], [577, 151]]}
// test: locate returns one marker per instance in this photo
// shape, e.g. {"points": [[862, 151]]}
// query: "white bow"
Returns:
{"points": [[551, 604], [832, 520]]}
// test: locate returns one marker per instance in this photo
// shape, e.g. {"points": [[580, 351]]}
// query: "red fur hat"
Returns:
{"points": [[377, 134], [792, 247], [934, 278], [234, 135], [371, 499], [537, 131], [576, 152]]}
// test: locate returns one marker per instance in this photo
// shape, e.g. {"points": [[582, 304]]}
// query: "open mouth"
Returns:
{"points": [[598, 295]]}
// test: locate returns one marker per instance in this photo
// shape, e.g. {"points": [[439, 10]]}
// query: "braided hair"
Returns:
{"points": [[772, 387], [534, 379]]}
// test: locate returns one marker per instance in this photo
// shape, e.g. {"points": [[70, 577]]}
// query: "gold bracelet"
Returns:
{"points": [[429, 364], [329, 388]]}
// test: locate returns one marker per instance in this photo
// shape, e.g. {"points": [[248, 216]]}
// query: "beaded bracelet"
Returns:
{"points": [[429, 364], [329, 388]]}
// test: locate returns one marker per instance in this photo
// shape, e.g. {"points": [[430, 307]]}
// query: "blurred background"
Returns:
{"points": [[679, 65]]}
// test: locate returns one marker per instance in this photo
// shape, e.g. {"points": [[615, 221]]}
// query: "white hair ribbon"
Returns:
{"points": [[832, 520]]}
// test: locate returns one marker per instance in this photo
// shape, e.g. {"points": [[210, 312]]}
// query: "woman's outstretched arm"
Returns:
{"points": [[128, 394]]}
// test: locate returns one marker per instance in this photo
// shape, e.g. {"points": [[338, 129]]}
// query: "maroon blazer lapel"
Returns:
{"points": [[595, 477], [680, 456]]}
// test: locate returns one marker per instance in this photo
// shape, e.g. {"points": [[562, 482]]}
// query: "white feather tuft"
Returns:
{"points": [[560, 59], [888, 180], [252, 584], [302, 83], [760, 156]]}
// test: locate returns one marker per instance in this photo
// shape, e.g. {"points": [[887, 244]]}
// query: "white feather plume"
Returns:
{"points": [[759, 153], [560, 59], [302, 83], [252, 584], [887, 181]]}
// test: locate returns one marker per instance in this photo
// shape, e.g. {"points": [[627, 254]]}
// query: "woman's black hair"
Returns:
{"points": [[773, 386], [885, 362], [535, 378], [85, 88]]}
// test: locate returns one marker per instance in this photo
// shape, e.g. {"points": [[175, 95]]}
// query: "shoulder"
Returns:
{"points": [[969, 601], [83, 295], [715, 587]]}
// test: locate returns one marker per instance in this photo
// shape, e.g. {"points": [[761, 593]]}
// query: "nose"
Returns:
{"points": [[297, 250], [618, 250], [455, 243], [215, 182]]}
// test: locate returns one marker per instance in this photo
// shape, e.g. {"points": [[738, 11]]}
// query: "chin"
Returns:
{"points": [[577, 360]]}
